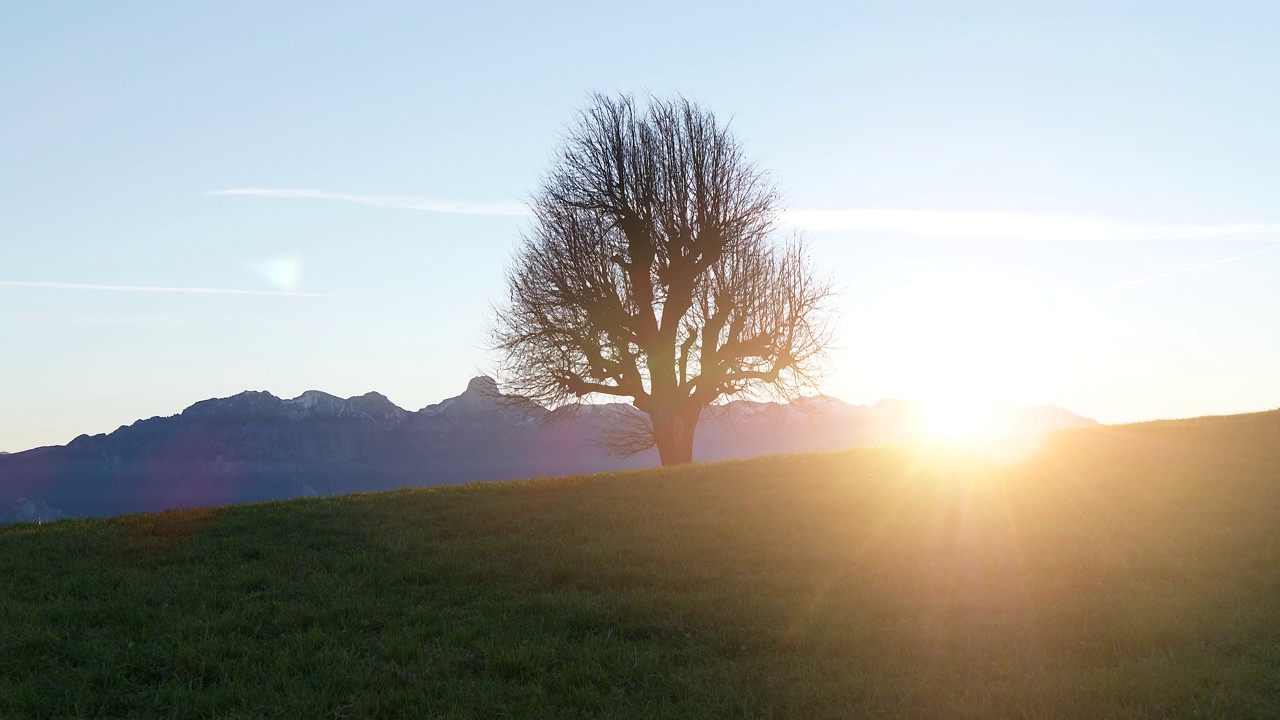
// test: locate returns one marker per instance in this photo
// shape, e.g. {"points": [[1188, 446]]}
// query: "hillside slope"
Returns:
{"points": [[1129, 571]]}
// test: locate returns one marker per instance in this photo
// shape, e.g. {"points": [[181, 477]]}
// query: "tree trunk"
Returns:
{"points": [[673, 434]]}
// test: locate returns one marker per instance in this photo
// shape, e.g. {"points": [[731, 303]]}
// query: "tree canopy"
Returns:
{"points": [[656, 270]]}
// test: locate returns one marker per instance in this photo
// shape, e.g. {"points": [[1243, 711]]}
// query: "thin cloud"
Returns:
{"points": [[53, 319], [924, 223], [404, 202], [155, 289], [1161, 276], [1011, 225]]}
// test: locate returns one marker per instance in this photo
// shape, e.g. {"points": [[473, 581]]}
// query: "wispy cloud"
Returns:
{"points": [[1012, 225], [1161, 276], [154, 289], [257, 319], [405, 202], [923, 223]]}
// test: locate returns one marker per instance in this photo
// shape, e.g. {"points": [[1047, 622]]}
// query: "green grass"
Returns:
{"points": [[1117, 572]]}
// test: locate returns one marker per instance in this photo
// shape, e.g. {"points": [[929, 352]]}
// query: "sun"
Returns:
{"points": [[957, 419], [961, 337]]}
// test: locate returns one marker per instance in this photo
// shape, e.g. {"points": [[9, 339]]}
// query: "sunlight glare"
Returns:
{"points": [[957, 418]]}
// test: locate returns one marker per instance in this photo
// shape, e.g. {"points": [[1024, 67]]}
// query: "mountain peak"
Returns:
{"points": [[247, 403], [311, 397], [317, 402], [484, 386], [375, 404]]}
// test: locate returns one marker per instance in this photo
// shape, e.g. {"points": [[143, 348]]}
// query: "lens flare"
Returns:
{"points": [[283, 272]]}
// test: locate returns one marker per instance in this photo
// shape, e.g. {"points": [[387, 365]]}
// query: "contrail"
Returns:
{"points": [[1139, 281], [156, 289], [405, 202]]}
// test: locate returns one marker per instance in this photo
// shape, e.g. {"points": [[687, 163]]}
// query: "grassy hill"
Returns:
{"points": [[1126, 571]]}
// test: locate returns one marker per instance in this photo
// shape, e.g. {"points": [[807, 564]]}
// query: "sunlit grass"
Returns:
{"points": [[1111, 572]]}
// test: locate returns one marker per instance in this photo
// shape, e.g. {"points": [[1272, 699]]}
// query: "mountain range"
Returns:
{"points": [[256, 446]]}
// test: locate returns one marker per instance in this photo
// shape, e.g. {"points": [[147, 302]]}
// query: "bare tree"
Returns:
{"points": [[654, 271]]}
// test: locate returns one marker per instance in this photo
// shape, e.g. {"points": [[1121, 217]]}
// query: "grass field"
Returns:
{"points": [[1127, 571]]}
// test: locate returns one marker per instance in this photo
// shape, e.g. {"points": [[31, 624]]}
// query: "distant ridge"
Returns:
{"points": [[255, 446]]}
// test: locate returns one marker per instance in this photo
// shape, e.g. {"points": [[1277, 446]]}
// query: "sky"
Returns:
{"points": [[1067, 203]]}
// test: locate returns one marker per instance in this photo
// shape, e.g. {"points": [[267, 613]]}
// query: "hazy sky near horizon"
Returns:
{"points": [[1073, 204]]}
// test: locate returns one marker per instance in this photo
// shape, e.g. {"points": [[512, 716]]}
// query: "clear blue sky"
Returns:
{"points": [[1128, 140]]}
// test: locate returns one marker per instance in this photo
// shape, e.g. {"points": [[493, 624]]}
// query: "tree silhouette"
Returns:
{"points": [[654, 271]]}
